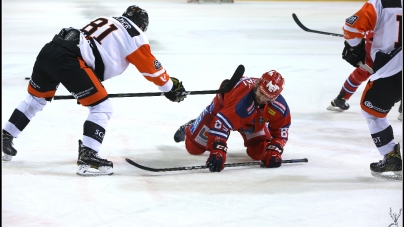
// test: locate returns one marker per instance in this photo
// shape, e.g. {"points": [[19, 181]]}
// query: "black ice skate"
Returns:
{"points": [[391, 163], [88, 158], [8, 148], [339, 103], [179, 135]]}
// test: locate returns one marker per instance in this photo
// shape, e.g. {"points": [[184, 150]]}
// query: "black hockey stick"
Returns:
{"points": [[314, 31], [205, 167], [230, 84], [360, 64]]}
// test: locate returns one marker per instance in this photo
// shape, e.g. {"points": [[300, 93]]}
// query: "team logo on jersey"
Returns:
{"points": [[261, 120], [351, 20], [157, 65]]}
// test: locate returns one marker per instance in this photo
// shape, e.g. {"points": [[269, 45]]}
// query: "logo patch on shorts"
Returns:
{"points": [[351, 20], [157, 64]]}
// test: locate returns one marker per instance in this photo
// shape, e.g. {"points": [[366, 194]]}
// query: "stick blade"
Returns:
{"points": [[310, 30], [234, 79], [140, 166], [299, 23]]}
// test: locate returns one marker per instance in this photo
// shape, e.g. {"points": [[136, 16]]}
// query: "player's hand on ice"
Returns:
{"points": [[354, 55], [273, 156], [177, 93], [217, 157]]}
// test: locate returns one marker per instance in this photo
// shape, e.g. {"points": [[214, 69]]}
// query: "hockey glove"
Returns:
{"points": [[354, 55], [217, 157], [272, 158], [177, 93]]}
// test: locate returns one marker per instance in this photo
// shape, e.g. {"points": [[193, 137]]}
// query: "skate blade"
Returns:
{"points": [[333, 108], [87, 171], [393, 175], [7, 157]]}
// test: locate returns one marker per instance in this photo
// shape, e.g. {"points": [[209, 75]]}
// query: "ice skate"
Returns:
{"points": [[179, 135], [338, 104], [390, 167], [89, 160], [400, 110], [8, 149]]}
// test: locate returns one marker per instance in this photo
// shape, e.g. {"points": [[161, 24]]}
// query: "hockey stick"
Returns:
{"points": [[205, 167], [230, 84], [360, 64], [314, 31]]}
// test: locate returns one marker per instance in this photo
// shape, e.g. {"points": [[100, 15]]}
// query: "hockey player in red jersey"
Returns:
{"points": [[81, 59], [384, 87], [256, 109]]}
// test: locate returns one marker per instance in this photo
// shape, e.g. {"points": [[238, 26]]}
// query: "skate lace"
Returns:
{"points": [[381, 163], [388, 160], [95, 154]]}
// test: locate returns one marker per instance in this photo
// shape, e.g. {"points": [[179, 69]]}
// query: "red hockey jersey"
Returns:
{"points": [[237, 111]]}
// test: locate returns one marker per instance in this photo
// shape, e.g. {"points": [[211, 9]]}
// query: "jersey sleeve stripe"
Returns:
{"points": [[217, 133], [160, 80], [225, 120], [156, 74], [167, 86]]}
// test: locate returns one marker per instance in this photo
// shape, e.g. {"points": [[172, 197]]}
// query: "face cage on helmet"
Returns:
{"points": [[259, 93], [268, 98], [258, 86]]}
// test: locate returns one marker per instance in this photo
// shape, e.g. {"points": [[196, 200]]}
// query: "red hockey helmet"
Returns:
{"points": [[271, 84]]}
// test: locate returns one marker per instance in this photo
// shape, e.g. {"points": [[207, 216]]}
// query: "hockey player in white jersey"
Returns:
{"points": [[384, 87], [81, 59]]}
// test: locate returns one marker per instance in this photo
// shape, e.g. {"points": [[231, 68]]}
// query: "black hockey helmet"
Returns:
{"points": [[138, 16]]}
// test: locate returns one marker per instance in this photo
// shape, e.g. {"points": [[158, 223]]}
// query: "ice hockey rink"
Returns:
{"points": [[201, 44]]}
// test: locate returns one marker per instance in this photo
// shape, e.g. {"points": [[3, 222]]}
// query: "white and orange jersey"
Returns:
{"points": [[384, 17], [109, 44]]}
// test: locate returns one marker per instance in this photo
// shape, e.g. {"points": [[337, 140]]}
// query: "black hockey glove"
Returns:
{"points": [[354, 55], [177, 93]]}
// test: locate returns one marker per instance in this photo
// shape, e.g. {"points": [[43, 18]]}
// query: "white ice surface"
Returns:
{"points": [[201, 44]]}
